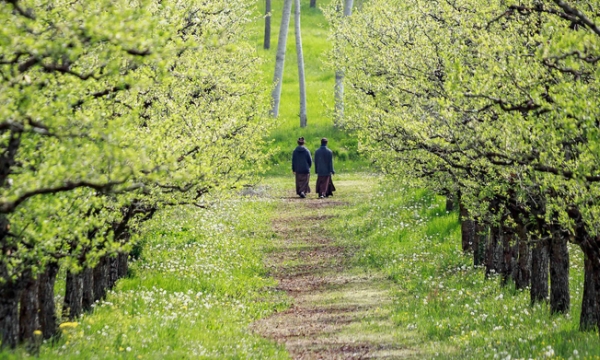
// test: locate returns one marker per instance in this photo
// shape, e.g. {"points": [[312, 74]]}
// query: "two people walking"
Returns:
{"points": [[302, 163]]}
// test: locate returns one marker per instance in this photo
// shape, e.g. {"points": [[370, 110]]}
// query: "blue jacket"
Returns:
{"points": [[301, 160], [324, 161]]}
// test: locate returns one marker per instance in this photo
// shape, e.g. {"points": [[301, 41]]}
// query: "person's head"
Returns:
{"points": [[300, 141], [323, 141]]}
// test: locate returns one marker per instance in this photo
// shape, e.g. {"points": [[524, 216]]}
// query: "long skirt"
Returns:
{"points": [[302, 183], [325, 186]]}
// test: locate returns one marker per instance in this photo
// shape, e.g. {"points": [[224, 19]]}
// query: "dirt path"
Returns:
{"points": [[338, 311]]}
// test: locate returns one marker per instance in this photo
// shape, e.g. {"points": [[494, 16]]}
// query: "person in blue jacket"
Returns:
{"points": [[324, 170], [301, 164]]}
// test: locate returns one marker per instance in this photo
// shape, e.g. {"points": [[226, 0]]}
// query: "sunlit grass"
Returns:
{"points": [[458, 313], [197, 287]]}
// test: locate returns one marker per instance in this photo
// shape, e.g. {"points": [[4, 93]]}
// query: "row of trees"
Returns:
{"points": [[110, 111], [494, 103]]}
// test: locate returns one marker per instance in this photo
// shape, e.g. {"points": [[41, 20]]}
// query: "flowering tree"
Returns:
{"points": [[109, 112], [496, 102]]}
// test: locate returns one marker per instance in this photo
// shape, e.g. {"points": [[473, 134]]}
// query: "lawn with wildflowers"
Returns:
{"points": [[197, 285], [457, 313]]}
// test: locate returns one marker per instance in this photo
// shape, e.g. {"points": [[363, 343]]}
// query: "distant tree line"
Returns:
{"points": [[495, 104]]}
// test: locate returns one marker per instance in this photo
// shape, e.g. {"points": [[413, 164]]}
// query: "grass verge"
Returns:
{"points": [[199, 284], [457, 313]]}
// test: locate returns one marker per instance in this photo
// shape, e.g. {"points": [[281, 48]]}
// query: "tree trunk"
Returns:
{"points": [[493, 253], [113, 271], [267, 40], [28, 312], [467, 229], [73, 302], [9, 314], [101, 278], [339, 74], [46, 300], [590, 316], [449, 203], [509, 255], [523, 276], [479, 244], [87, 300], [123, 265], [313, 3], [539, 272], [300, 56], [280, 58], [560, 300]]}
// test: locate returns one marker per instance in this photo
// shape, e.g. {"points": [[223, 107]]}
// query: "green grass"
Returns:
{"points": [[320, 80], [457, 312], [198, 286]]}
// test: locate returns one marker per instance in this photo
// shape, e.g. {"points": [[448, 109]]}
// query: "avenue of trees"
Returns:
{"points": [[495, 104], [111, 110]]}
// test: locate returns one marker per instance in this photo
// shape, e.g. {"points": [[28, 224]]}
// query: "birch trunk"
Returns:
{"points": [[300, 56], [267, 39], [339, 74], [280, 58]]}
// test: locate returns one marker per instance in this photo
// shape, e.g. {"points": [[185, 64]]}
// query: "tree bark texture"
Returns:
{"points": [[560, 300], [467, 227], [280, 57], [87, 299], [523, 276], [300, 56], [493, 253], [539, 272], [267, 38], [449, 203], [28, 311], [73, 302], [47, 315], [481, 236], [590, 315], [123, 264], [113, 271], [9, 313], [101, 278], [509, 255]]}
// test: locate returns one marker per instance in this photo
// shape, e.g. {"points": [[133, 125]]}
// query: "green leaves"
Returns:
{"points": [[112, 103]]}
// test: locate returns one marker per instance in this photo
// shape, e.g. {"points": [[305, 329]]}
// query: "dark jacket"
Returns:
{"points": [[324, 161], [301, 160]]}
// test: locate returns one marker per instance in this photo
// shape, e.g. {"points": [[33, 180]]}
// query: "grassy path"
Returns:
{"points": [[338, 311]]}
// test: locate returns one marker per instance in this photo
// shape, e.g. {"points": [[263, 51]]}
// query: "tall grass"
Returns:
{"points": [[458, 313]]}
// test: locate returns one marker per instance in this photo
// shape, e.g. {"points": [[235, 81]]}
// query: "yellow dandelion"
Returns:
{"points": [[121, 349], [37, 333], [68, 325]]}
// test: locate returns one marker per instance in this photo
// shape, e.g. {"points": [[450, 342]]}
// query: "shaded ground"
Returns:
{"points": [[337, 312]]}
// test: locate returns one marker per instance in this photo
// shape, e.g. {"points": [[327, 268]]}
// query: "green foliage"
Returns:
{"points": [[457, 313], [495, 99], [112, 110]]}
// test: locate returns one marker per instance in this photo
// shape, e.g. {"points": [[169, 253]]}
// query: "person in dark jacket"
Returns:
{"points": [[324, 170], [301, 163]]}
